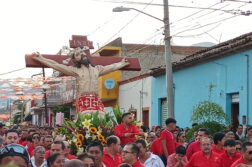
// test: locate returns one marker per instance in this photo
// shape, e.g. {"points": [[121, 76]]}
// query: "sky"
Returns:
{"points": [[47, 25]]}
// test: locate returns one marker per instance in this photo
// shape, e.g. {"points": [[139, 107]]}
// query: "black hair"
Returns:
{"points": [[11, 131], [95, 144], [194, 124], [52, 158], [134, 148], [61, 143], [204, 130], [218, 137], [249, 128], [141, 141], [229, 142], [112, 140], [244, 146], [125, 114], [180, 134], [170, 120], [29, 138], [84, 156], [240, 125], [157, 127], [144, 128], [124, 165], [238, 142], [180, 150]]}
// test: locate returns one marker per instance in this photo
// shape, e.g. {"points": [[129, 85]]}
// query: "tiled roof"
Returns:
{"points": [[135, 78], [236, 45], [183, 50]]}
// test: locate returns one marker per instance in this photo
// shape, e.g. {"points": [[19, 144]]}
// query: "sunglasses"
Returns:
{"points": [[238, 148], [16, 149]]}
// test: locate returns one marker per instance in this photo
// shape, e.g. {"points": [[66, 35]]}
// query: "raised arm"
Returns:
{"points": [[53, 64], [112, 67]]}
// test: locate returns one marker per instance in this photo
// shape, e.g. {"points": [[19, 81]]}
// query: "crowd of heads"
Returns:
{"points": [[25, 145]]}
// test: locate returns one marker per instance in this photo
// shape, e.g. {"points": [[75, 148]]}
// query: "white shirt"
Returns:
{"points": [[153, 161], [44, 164]]}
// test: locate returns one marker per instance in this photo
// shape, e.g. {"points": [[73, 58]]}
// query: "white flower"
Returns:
{"points": [[86, 123]]}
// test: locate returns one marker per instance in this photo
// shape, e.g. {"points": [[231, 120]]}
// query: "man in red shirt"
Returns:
{"points": [[167, 139], [155, 147], [23, 137], [219, 139], [195, 146], [111, 156], [130, 155], [67, 151], [126, 131], [205, 157], [230, 155], [246, 155]]}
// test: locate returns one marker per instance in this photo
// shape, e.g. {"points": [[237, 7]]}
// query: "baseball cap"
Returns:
{"points": [[14, 150]]}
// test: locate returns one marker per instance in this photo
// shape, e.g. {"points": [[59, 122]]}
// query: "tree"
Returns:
{"points": [[208, 115], [64, 109]]}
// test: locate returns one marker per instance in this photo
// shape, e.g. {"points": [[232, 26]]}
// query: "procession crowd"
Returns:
{"points": [[27, 146]]}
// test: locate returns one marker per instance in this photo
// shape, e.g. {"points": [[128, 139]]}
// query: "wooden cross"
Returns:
{"points": [[83, 42]]}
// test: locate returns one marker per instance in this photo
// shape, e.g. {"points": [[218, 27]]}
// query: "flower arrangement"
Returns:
{"points": [[92, 127]]}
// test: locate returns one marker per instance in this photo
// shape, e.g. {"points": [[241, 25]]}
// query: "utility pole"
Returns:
{"points": [[168, 61], [168, 53]]}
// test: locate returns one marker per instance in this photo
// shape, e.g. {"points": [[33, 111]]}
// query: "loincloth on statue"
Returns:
{"points": [[89, 103]]}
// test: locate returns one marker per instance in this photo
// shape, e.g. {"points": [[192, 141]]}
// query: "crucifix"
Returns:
{"points": [[84, 67]]}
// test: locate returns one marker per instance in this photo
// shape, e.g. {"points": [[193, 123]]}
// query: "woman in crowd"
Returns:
{"points": [[56, 160]]}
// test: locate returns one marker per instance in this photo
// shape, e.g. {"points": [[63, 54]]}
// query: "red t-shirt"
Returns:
{"points": [[69, 156], [137, 164], [21, 142], [120, 130], [200, 160], [111, 162], [170, 142], [216, 150], [31, 150], [156, 147], [47, 154], [193, 148], [238, 162], [228, 161]]}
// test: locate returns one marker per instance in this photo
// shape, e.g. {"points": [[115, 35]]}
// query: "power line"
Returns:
{"points": [[208, 19], [239, 1], [131, 20], [193, 14], [155, 4], [13, 71], [204, 25]]}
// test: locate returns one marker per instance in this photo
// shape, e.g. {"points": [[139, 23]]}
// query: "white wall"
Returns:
{"points": [[129, 95]]}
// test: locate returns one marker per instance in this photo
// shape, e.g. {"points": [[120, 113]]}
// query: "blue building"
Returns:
{"points": [[227, 65]]}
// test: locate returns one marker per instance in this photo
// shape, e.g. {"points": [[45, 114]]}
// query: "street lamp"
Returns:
{"points": [[167, 39]]}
